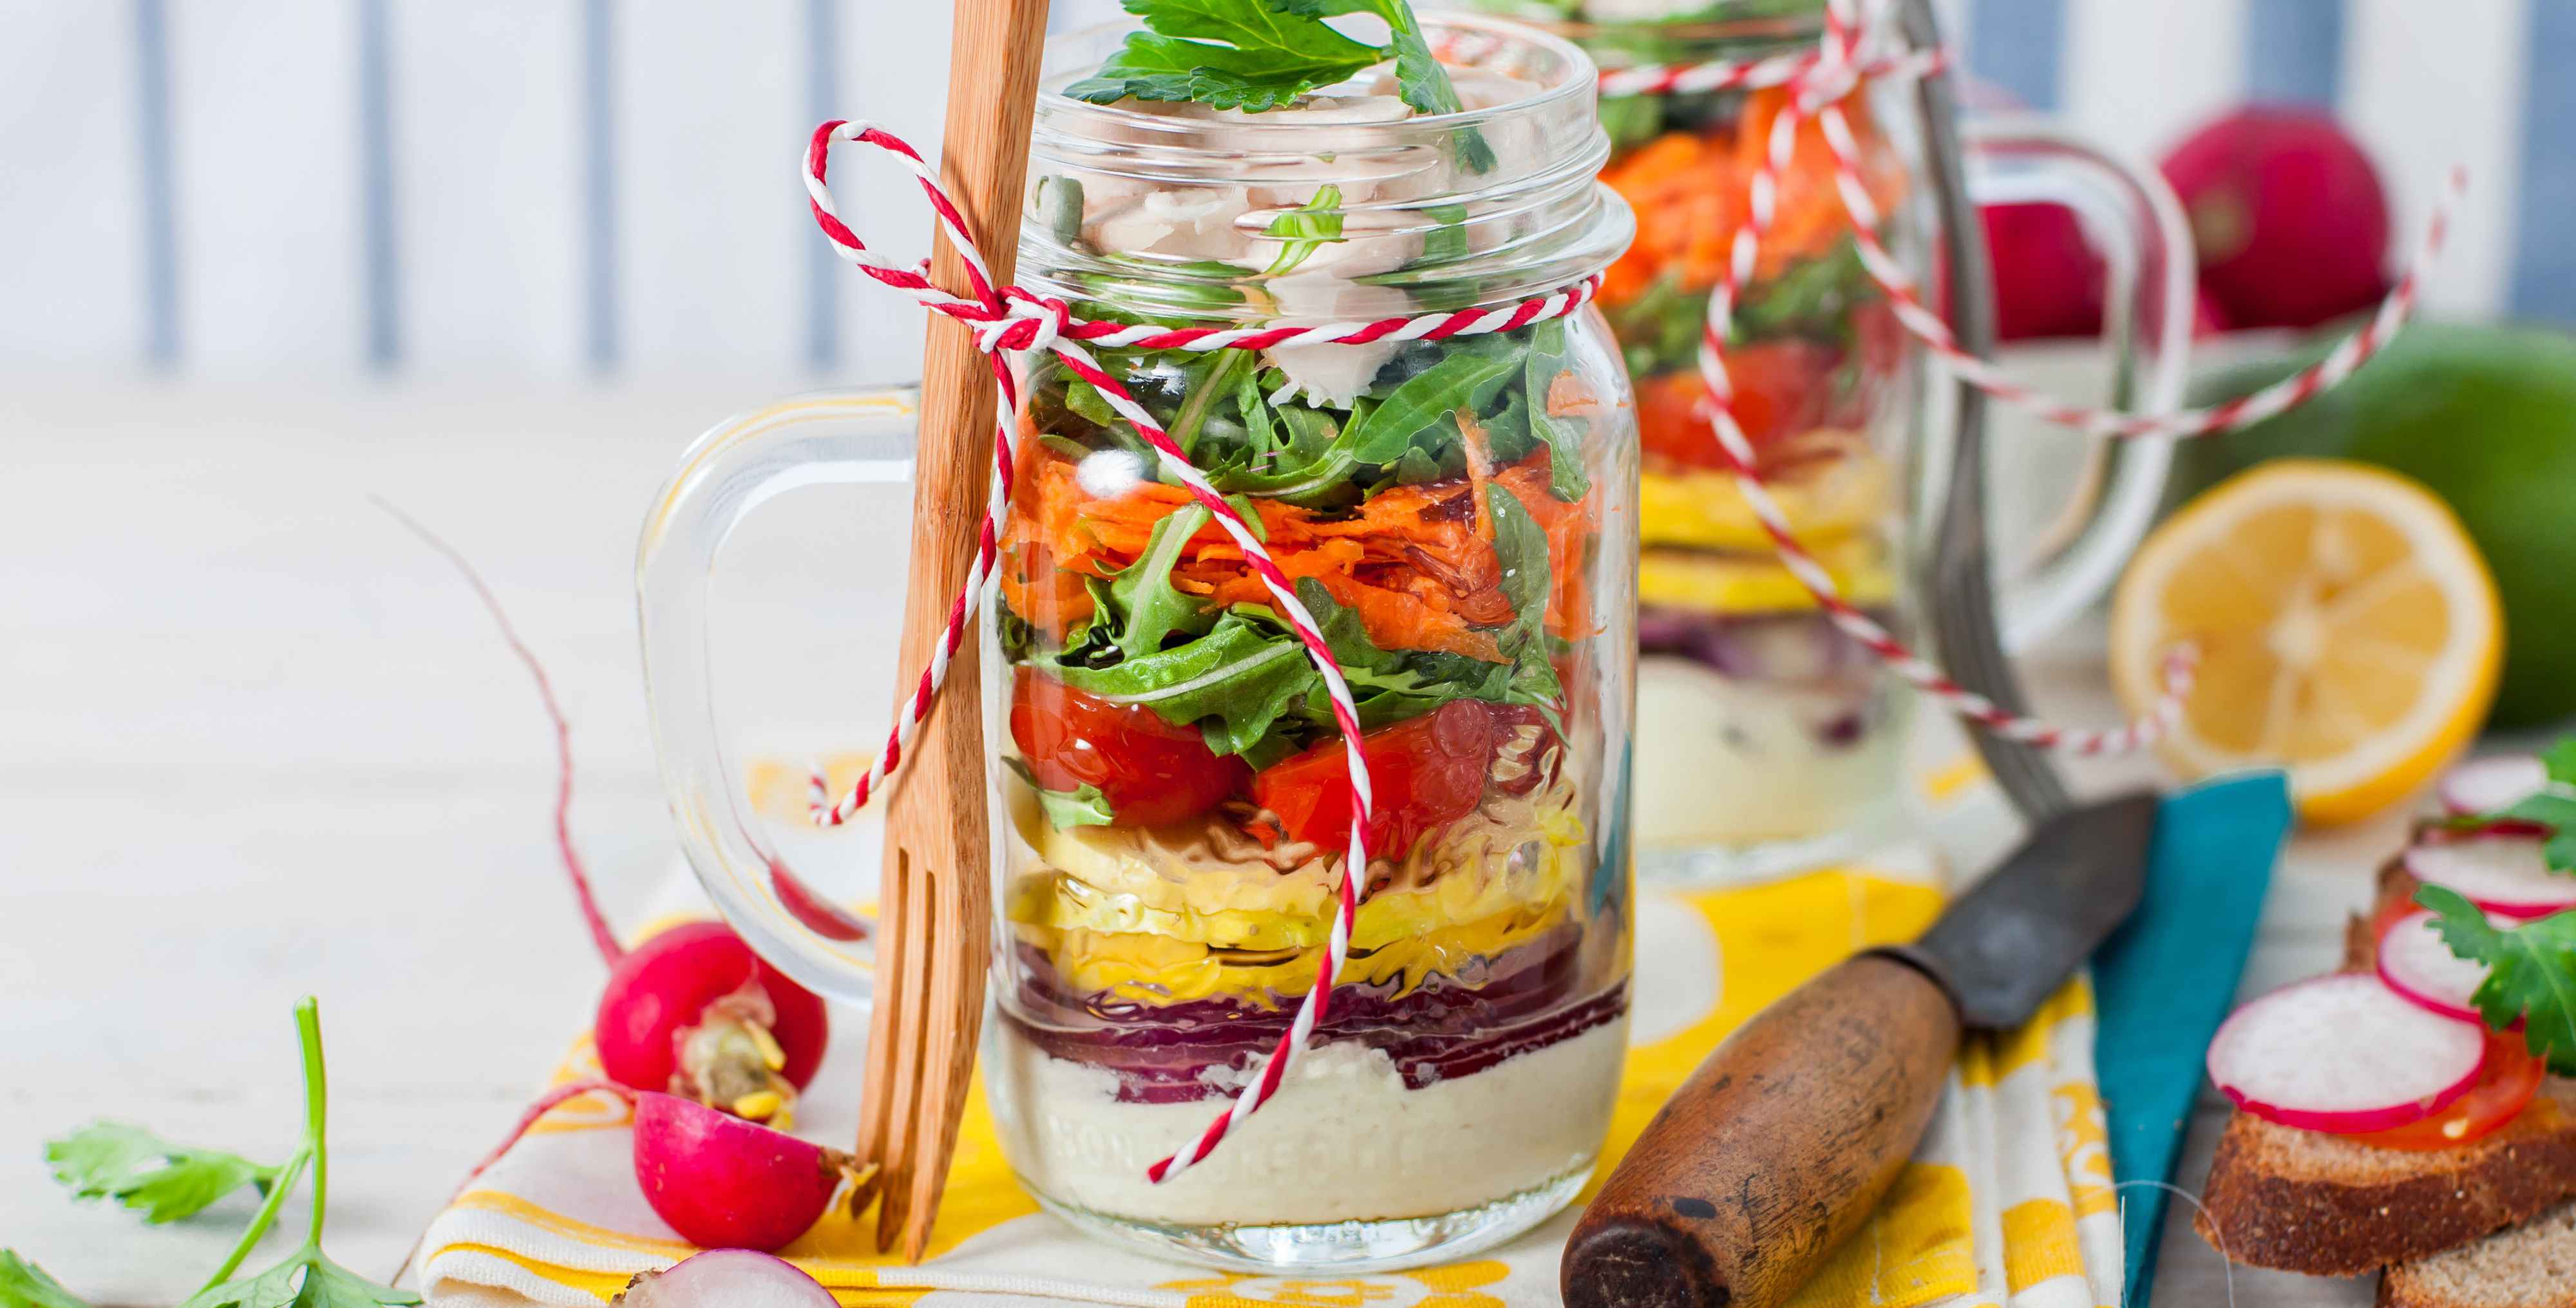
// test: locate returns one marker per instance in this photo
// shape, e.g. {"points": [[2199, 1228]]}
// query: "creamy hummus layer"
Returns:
{"points": [[1343, 1139], [1728, 762]]}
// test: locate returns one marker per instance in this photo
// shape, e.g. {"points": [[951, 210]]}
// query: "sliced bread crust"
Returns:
{"points": [[2530, 1266], [2304, 1201]]}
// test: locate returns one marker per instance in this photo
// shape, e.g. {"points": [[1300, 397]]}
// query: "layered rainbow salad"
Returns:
{"points": [[1760, 723], [1179, 796]]}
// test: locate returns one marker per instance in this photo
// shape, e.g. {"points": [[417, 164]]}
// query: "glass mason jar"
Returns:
{"points": [[1169, 797], [1769, 739], [1174, 795]]}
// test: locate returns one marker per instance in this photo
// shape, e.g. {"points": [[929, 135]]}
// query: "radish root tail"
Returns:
{"points": [[600, 934]]}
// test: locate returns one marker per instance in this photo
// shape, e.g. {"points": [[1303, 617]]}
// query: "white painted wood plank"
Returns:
{"points": [[894, 70], [2427, 86], [487, 121], [70, 187], [2138, 77], [265, 99], [712, 223]]}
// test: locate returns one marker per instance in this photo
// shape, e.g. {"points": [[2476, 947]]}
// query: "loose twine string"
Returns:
{"points": [[1010, 320]]}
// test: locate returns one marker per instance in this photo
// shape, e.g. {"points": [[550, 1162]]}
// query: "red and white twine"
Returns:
{"points": [[1820, 80], [1008, 319]]}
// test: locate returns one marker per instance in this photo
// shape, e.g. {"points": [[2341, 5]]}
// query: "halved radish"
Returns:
{"points": [[2487, 784], [726, 1278], [2499, 872], [2419, 967], [2345, 1054]]}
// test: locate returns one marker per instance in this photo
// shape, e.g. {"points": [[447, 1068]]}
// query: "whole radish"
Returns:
{"points": [[726, 1278], [2287, 214], [719, 1181], [692, 1010]]}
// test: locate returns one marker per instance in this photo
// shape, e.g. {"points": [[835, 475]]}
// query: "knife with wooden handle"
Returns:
{"points": [[1779, 1146]]}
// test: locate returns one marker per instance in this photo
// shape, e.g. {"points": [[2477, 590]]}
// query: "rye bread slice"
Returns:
{"points": [[2305, 1201], [2531, 1266]]}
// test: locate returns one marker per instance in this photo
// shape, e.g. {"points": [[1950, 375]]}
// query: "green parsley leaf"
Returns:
{"points": [[25, 1285], [1082, 806], [307, 1280], [110, 1160], [2531, 972], [2552, 806], [1305, 229], [1234, 54], [1258, 55]]}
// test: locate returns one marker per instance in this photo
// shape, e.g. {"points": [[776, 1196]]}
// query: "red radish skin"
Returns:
{"points": [[2048, 278], [724, 1183], [2415, 963], [2343, 1054], [691, 1010], [664, 989], [2499, 871], [2287, 214], [2487, 784], [726, 1278]]}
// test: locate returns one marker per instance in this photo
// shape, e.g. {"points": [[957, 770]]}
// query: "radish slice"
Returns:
{"points": [[727, 1278], [2487, 784], [2499, 873], [2345, 1054], [2418, 966]]}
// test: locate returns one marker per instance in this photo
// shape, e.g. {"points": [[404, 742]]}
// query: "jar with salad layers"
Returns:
{"points": [[1768, 738], [1456, 512]]}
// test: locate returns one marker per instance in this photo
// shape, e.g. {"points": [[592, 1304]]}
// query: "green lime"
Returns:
{"points": [[2486, 417]]}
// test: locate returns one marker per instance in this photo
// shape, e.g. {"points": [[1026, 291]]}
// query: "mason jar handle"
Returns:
{"points": [[2146, 321], [835, 438]]}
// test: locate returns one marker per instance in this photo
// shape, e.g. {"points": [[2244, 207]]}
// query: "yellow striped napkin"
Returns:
{"points": [[2007, 1203]]}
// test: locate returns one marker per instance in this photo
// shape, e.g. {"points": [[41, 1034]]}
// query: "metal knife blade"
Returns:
{"points": [[2005, 947]]}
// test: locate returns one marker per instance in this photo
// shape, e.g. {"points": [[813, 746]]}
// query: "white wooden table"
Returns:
{"points": [[260, 743]]}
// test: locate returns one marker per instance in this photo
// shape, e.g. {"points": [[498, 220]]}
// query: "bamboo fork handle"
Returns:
{"points": [[938, 898]]}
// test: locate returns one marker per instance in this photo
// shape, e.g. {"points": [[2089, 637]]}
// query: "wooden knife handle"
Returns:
{"points": [[1776, 1149]]}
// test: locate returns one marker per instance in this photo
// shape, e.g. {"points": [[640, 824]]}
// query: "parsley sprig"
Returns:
{"points": [[1259, 55], [2531, 972], [170, 1181], [111, 1160]]}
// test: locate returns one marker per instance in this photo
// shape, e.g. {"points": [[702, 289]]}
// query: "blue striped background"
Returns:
{"points": [[2293, 51]]}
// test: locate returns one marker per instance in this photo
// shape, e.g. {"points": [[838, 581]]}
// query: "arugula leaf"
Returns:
{"points": [[25, 1285], [1083, 806], [1305, 229], [1388, 686], [1811, 297], [1234, 54], [1447, 242], [110, 1160], [1521, 544], [1546, 360], [1155, 609], [2531, 972], [1236, 675], [1464, 380]]}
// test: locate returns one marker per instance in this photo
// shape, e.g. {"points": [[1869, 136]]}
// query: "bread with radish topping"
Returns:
{"points": [[2329, 1205]]}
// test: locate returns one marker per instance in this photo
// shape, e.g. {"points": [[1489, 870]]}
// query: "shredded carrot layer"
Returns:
{"points": [[1691, 191], [1416, 563]]}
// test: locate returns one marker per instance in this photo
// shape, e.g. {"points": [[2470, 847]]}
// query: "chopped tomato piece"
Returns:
{"points": [[2512, 1078], [1149, 771], [1424, 773], [1782, 388]]}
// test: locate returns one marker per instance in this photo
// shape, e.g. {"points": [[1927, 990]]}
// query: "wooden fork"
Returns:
{"points": [[936, 900]]}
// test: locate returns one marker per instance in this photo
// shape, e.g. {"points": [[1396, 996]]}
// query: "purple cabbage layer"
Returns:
{"points": [[1439, 1030]]}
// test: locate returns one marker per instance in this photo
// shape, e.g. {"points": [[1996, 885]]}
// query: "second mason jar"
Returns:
{"points": [[1171, 797]]}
